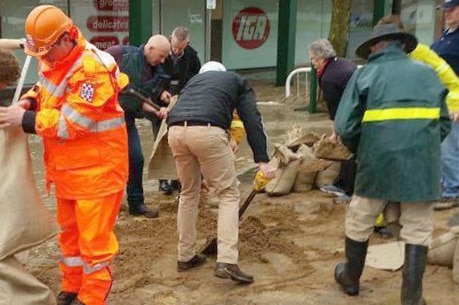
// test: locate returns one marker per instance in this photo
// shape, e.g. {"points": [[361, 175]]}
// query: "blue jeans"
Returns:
{"points": [[134, 187], [450, 162]]}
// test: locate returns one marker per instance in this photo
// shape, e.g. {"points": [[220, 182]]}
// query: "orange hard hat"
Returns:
{"points": [[43, 27]]}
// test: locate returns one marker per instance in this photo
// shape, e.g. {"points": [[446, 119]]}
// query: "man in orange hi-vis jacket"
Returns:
{"points": [[74, 108]]}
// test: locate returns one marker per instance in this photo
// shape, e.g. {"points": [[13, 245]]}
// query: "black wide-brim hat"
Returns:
{"points": [[387, 32]]}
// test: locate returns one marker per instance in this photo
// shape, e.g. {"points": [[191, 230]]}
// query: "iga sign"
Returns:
{"points": [[251, 28]]}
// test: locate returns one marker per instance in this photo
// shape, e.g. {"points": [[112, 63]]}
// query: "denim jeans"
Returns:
{"points": [[450, 163], [134, 187]]}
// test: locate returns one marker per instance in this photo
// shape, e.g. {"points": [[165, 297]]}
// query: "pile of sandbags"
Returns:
{"points": [[299, 169], [444, 251]]}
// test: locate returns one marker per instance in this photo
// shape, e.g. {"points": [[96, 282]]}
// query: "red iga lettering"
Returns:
{"points": [[104, 42], [111, 5], [108, 24], [251, 28], [125, 40]]}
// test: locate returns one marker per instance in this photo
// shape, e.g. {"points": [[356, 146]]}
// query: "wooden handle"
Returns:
{"points": [[144, 98]]}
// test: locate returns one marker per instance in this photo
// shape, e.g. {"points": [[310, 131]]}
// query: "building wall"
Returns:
{"points": [[244, 34]]}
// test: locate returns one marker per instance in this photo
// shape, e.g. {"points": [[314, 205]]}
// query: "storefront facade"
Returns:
{"points": [[243, 34]]}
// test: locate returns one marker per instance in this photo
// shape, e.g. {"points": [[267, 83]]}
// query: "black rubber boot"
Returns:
{"points": [[413, 271], [347, 274]]}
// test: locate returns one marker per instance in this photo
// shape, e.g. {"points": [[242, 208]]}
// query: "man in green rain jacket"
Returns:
{"points": [[393, 116]]}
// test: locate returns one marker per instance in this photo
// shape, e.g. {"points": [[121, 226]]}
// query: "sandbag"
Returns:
{"points": [[327, 176], [442, 248], [304, 181], [330, 150], [287, 169], [24, 221], [161, 165], [308, 139]]}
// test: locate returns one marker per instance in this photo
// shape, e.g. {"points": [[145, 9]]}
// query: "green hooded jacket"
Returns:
{"points": [[393, 115]]}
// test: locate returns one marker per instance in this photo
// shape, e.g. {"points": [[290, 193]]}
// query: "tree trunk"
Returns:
{"points": [[340, 23]]}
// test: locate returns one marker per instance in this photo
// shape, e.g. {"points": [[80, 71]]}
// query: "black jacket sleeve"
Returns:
{"points": [[251, 117]]}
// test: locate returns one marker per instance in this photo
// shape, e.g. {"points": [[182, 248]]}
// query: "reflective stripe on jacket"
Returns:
{"points": [[82, 124]]}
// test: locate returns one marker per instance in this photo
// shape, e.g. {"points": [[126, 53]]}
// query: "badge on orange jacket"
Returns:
{"points": [[87, 92]]}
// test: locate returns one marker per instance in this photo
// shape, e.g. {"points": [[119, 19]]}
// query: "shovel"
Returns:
{"points": [[143, 98], [210, 248]]}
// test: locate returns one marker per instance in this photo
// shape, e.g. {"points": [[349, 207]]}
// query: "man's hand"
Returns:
{"points": [[11, 116], [454, 116], [162, 113], [25, 104], [165, 97], [333, 137], [267, 169]]}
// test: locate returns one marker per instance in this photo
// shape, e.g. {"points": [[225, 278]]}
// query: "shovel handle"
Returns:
{"points": [[144, 99], [247, 202], [25, 68]]}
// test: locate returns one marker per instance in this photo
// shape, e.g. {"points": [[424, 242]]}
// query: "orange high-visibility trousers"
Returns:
{"points": [[88, 245]]}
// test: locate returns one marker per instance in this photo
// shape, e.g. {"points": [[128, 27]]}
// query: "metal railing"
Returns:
{"points": [[297, 72], [307, 81]]}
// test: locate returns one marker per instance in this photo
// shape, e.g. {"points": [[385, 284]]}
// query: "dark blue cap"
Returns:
{"points": [[448, 4]]}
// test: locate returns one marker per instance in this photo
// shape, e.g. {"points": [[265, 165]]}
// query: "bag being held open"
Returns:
{"points": [[24, 221]]}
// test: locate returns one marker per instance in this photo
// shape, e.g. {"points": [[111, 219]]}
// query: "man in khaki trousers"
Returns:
{"points": [[198, 136]]}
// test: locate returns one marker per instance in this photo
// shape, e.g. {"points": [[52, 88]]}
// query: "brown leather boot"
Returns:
{"points": [[195, 261], [224, 270]]}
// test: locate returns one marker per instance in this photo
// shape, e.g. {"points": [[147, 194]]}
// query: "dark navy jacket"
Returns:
{"points": [[447, 47], [333, 81]]}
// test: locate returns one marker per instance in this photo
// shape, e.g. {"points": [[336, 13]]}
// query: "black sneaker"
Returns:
{"points": [[332, 190], [446, 203], [143, 210], [383, 231], [232, 271], [66, 298], [175, 185], [196, 261], [165, 187]]}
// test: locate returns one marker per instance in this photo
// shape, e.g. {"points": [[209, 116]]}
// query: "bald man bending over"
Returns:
{"points": [[143, 66]]}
